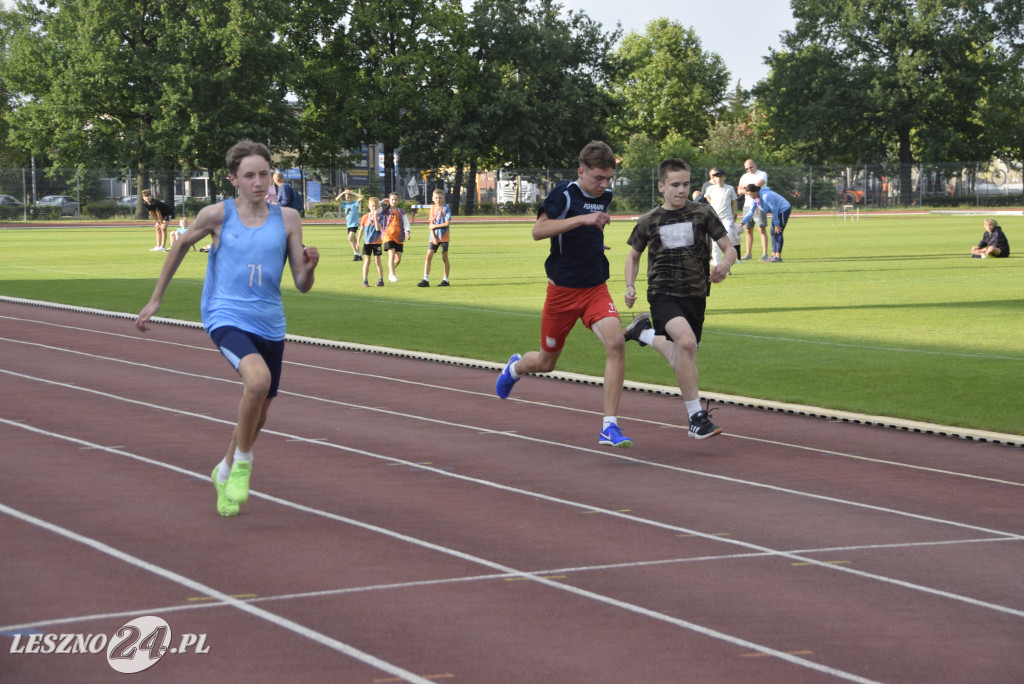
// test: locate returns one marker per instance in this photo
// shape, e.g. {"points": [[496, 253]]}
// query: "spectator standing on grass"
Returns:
{"points": [[768, 201], [759, 178], [161, 213], [372, 228], [722, 199], [241, 304], [573, 218], [397, 233], [350, 207], [286, 196], [993, 242], [676, 236], [439, 233]]}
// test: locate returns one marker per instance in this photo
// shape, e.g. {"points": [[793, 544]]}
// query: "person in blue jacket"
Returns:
{"points": [[775, 204]]}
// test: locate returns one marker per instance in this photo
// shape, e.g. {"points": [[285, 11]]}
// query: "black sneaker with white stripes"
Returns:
{"points": [[701, 426], [640, 323]]}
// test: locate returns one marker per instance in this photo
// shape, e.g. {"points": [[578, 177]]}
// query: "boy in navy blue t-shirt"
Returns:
{"points": [[573, 217]]}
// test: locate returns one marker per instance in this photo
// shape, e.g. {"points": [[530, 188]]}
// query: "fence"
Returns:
{"points": [[48, 193]]}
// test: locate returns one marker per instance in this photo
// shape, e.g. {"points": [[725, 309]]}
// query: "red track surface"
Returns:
{"points": [[407, 525]]}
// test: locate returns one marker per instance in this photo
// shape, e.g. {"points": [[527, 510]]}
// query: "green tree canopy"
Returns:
{"points": [[869, 81], [667, 83], [538, 77], [152, 83]]}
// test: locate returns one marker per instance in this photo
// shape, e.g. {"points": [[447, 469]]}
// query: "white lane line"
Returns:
{"points": [[206, 590], [355, 653]]}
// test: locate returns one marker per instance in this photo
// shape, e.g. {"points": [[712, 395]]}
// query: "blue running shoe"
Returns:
{"points": [[505, 381], [613, 436]]}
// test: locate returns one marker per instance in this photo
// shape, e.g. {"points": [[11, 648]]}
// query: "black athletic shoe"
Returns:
{"points": [[640, 323], [701, 426], [444, 283], [423, 283]]}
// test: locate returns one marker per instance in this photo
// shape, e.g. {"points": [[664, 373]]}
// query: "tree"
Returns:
{"points": [[667, 83], [871, 80], [148, 84], [404, 50], [10, 155], [538, 81]]}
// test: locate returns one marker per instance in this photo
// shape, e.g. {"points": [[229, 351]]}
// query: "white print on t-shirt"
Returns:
{"points": [[676, 235]]}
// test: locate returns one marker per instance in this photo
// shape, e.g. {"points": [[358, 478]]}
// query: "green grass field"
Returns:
{"points": [[885, 316]]}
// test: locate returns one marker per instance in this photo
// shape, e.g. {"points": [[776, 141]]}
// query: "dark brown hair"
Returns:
{"points": [[669, 165], [242, 149], [597, 155]]}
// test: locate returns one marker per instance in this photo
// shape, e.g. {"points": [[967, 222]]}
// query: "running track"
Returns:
{"points": [[407, 525]]}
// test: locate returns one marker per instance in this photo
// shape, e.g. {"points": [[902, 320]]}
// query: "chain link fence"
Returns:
{"points": [[51, 193]]}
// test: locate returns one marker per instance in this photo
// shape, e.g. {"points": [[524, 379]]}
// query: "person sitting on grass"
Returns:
{"points": [[179, 231], [993, 242]]}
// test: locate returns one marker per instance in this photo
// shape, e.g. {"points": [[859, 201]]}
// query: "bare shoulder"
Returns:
{"points": [[292, 220], [209, 219]]}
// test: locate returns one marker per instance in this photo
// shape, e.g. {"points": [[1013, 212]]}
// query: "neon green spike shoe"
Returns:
{"points": [[237, 486], [225, 506]]}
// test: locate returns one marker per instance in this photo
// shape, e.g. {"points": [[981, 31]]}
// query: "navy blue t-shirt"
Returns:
{"points": [[577, 257]]}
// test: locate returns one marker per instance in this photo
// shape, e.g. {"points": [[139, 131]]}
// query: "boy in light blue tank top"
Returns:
{"points": [[241, 304]]}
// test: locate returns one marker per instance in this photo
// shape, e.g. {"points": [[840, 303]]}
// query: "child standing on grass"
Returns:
{"points": [[241, 304], [723, 199], [372, 228], [440, 218], [350, 208], [573, 218], [676, 236], [395, 235]]}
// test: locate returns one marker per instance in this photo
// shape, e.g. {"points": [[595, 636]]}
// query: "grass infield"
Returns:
{"points": [[886, 316]]}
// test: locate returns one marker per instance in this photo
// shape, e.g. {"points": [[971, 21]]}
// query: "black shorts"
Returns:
{"points": [[371, 250], [353, 229], [236, 344], [392, 245], [666, 307], [443, 246]]}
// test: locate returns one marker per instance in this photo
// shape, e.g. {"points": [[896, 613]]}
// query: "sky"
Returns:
{"points": [[739, 31]]}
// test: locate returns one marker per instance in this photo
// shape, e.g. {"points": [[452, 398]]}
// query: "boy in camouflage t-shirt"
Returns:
{"points": [[677, 237]]}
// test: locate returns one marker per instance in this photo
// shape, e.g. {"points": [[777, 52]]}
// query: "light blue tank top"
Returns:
{"points": [[243, 276]]}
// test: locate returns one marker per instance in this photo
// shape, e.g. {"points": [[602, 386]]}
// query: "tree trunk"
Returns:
{"points": [[471, 188], [906, 166], [457, 188], [142, 179]]}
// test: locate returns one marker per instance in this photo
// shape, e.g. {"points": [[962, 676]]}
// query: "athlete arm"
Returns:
{"points": [[302, 260], [548, 227], [719, 272], [632, 268], [207, 222]]}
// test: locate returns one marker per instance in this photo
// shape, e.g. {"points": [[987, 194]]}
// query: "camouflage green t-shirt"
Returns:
{"points": [[678, 245]]}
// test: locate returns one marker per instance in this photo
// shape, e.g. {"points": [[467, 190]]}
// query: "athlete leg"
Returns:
{"points": [[252, 409], [609, 331], [681, 354]]}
